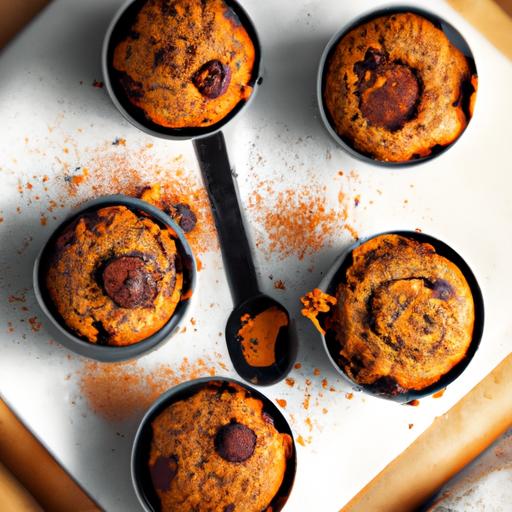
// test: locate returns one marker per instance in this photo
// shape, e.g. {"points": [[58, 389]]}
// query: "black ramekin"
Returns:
{"points": [[336, 275], [449, 30], [108, 353], [142, 442], [118, 29]]}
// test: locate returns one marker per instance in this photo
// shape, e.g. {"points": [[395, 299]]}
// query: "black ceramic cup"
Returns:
{"points": [[453, 36], [142, 442], [68, 338], [336, 275]]}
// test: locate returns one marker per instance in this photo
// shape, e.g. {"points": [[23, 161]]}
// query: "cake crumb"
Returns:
{"points": [[279, 285]]}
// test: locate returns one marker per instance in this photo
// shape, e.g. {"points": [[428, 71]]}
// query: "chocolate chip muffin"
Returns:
{"points": [[217, 451], [185, 63], [114, 276], [396, 88], [404, 316]]}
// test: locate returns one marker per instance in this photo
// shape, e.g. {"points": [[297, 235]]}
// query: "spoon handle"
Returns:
{"points": [[219, 182]]}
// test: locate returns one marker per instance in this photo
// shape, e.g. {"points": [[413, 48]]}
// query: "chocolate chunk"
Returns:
{"points": [[212, 79], [169, 8], [164, 56], [229, 508], [67, 237], [163, 472], [389, 92], [186, 217], [387, 386], [128, 283], [235, 442], [132, 88], [267, 418], [441, 289]]}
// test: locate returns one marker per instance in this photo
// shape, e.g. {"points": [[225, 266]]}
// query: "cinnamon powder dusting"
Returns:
{"points": [[258, 336], [123, 169], [118, 391], [297, 221], [282, 403], [35, 324]]}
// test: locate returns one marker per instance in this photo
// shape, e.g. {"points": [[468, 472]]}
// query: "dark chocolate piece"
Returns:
{"points": [[163, 472], [212, 79], [128, 283], [389, 92], [235, 442]]}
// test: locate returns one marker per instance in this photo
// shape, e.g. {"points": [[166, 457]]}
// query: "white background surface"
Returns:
{"points": [[463, 197]]}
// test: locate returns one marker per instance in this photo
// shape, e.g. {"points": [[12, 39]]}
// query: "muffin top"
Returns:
{"points": [[185, 63], [404, 316], [217, 451], [396, 88], [114, 276]]}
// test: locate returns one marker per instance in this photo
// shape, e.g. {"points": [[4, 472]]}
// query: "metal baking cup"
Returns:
{"points": [[449, 30], [336, 274], [121, 22], [105, 352], [142, 442]]}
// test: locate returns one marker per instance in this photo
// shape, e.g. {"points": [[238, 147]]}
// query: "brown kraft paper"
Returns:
{"points": [[450, 443]]}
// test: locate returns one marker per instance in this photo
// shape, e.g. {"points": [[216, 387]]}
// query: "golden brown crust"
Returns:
{"points": [[186, 63], [393, 88], [95, 257], [405, 314], [199, 475]]}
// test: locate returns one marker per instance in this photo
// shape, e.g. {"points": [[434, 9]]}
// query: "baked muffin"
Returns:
{"points": [[396, 88], [404, 316], [185, 63], [217, 451], [114, 276]]}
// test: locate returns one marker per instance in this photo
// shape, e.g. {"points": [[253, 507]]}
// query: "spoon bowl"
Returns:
{"points": [[280, 347]]}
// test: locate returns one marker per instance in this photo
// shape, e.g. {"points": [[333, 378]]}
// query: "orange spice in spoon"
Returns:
{"points": [[258, 336]]}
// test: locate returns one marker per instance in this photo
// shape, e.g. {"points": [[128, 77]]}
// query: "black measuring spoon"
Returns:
{"points": [[238, 263]]}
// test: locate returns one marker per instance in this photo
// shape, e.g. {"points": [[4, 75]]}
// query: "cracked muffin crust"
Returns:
{"points": [[404, 317], [396, 88], [185, 63], [114, 277], [217, 451]]}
